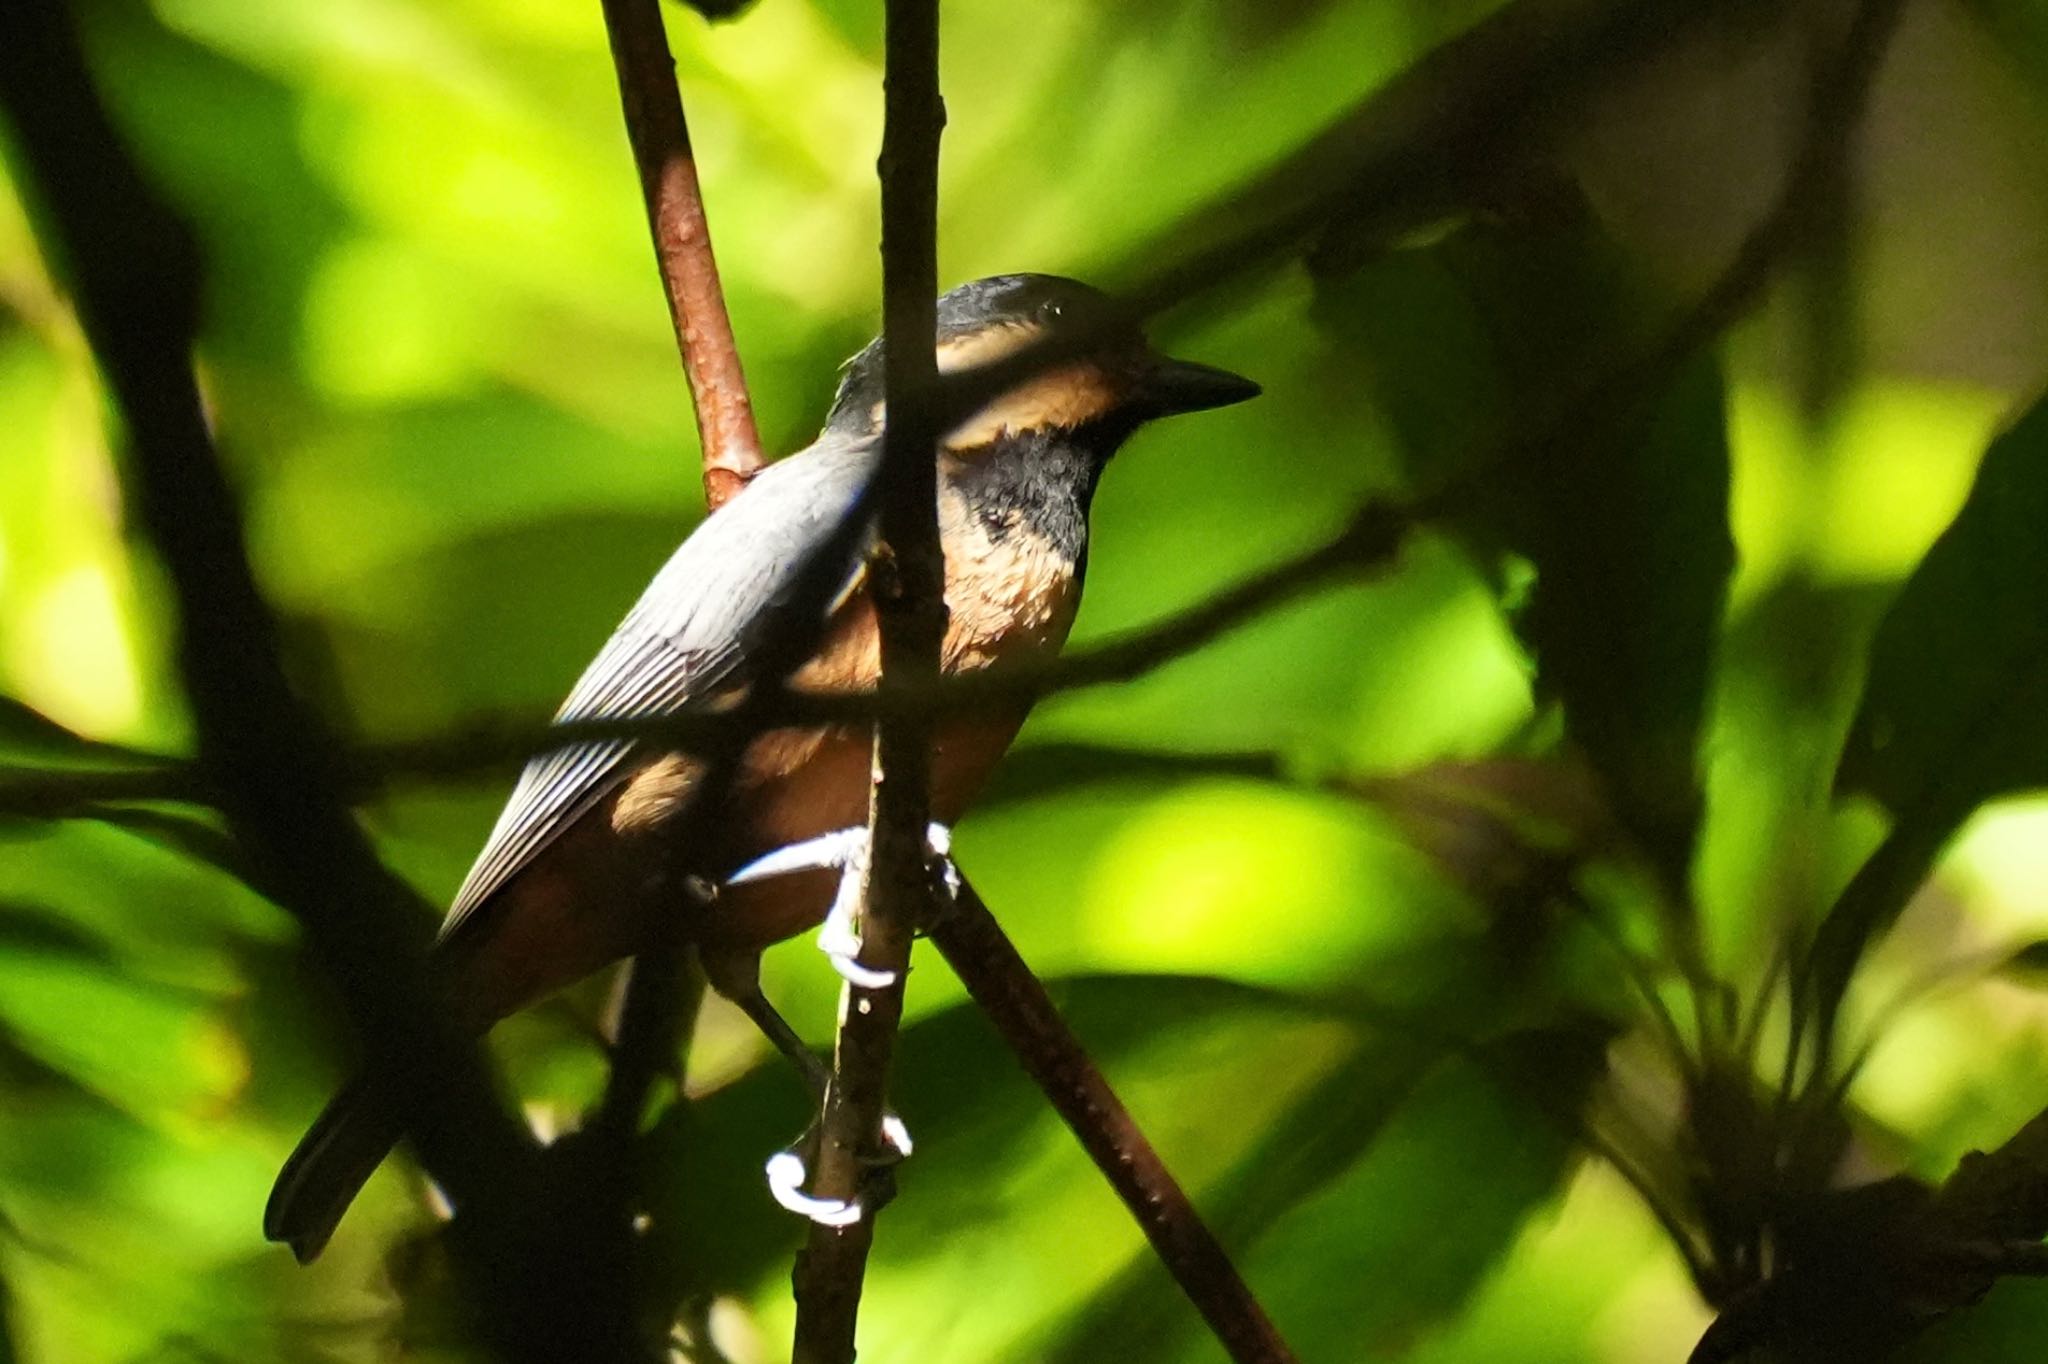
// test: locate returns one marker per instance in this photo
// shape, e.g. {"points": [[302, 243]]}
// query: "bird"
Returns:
{"points": [[601, 846]]}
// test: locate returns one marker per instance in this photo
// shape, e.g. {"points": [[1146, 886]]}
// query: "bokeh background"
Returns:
{"points": [[439, 363]]}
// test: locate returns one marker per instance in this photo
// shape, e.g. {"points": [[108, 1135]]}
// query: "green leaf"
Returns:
{"points": [[7, 1351], [151, 1050], [24, 727], [1623, 516], [1951, 714], [2006, 1328], [2018, 30], [1413, 1229], [1376, 1206], [1625, 519], [200, 837], [1322, 1135], [21, 723]]}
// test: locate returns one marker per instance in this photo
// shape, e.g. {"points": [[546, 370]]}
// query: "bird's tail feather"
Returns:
{"points": [[336, 1157]]}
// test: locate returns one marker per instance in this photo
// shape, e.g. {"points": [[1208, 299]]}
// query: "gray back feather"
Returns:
{"points": [[700, 627]]}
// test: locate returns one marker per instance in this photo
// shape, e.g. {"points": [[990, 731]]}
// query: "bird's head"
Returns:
{"points": [[1097, 388]]}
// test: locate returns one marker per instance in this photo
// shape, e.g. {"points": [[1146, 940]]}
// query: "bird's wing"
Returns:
{"points": [[698, 628]]}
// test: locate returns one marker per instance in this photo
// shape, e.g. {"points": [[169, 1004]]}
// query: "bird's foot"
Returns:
{"points": [[788, 1172], [845, 850]]}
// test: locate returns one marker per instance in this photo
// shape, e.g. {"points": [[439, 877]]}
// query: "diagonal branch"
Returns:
{"points": [[1007, 991], [1366, 544], [660, 134]]}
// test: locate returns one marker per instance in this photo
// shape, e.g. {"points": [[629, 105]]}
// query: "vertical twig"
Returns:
{"points": [[660, 135], [988, 964], [907, 580]]}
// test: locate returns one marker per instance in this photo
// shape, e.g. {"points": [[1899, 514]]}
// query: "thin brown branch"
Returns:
{"points": [[660, 134], [908, 575], [544, 1289], [1368, 543], [988, 964]]}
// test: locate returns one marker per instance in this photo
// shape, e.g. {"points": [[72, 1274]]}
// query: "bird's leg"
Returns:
{"points": [[737, 976], [845, 850]]}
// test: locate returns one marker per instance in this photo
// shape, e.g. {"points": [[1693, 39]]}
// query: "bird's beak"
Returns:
{"points": [[1184, 386]]}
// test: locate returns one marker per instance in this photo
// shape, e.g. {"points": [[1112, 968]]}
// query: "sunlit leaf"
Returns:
{"points": [[1412, 1229], [145, 1048], [1374, 1207], [196, 837], [1947, 719], [23, 726]]}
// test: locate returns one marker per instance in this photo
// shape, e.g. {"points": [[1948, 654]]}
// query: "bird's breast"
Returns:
{"points": [[1010, 597], [1011, 590]]}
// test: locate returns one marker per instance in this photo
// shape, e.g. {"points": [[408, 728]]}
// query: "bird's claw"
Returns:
{"points": [[787, 1174], [786, 1178], [835, 850], [845, 850]]}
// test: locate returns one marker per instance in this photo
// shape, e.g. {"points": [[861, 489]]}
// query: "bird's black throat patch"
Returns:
{"points": [[1037, 483]]}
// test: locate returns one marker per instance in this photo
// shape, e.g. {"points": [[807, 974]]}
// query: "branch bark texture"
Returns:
{"points": [[660, 134], [907, 578], [981, 954]]}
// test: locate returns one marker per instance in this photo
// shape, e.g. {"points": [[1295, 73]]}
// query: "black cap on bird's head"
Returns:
{"points": [[1106, 384]]}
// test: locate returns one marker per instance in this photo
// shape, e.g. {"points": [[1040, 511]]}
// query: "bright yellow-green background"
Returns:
{"points": [[439, 362]]}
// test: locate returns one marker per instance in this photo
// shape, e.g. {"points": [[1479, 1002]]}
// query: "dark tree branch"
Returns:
{"points": [[1366, 544], [1044, 769], [660, 134], [543, 1291], [1014, 1000], [69, 792], [907, 577]]}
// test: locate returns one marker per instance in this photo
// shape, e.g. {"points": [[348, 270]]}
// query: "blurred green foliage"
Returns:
{"points": [[1350, 1004]]}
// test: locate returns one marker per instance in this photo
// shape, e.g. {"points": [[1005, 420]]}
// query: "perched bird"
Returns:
{"points": [[601, 846]]}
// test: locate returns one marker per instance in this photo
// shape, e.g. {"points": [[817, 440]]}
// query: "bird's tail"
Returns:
{"points": [[336, 1157]]}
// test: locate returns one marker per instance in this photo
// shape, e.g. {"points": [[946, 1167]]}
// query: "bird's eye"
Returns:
{"points": [[1049, 310]]}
